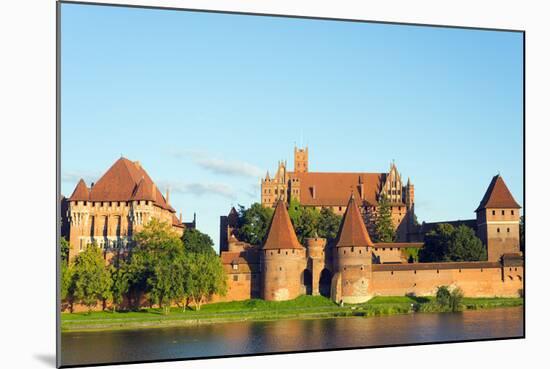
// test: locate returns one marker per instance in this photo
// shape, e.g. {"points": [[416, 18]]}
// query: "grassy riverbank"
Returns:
{"points": [[303, 307]]}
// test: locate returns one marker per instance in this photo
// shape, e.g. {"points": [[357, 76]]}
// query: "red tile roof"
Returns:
{"points": [[281, 234], [333, 189], [497, 196], [125, 180], [81, 192], [352, 230]]}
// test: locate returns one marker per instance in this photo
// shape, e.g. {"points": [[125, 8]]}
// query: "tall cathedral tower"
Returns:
{"points": [[300, 160]]}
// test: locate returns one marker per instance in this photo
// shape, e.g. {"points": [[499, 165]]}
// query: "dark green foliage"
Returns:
{"points": [[92, 280], [64, 250], [384, 230], [305, 220], [449, 300], [443, 295], [465, 246], [447, 243], [328, 224], [120, 275], [196, 241], [253, 223]]}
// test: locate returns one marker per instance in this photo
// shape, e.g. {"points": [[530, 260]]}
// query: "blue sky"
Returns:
{"points": [[209, 102]]}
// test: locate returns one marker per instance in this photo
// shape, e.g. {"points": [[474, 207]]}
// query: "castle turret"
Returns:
{"points": [[316, 261], [498, 220], [352, 258], [301, 160], [283, 259]]}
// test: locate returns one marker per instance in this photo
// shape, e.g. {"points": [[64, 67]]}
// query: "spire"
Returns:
{"points": [[498, 196], [281, 233], [267, 176], [352, 230]]}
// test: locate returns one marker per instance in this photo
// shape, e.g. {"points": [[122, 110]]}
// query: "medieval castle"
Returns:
{"points": [[110, 211], [350, 269], [332, 190], [353, 269]]}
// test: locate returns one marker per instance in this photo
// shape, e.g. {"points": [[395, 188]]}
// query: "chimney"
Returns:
{"points": [[168, 195], [180, 217], [313, 191]]}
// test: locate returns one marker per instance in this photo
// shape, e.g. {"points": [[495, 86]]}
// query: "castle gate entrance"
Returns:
{"points": [[324, 282], [306, 282]]}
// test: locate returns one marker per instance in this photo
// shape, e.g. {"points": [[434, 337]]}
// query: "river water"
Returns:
{"points": [[286, 335]]}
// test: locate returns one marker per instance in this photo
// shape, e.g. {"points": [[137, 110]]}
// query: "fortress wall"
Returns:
{"points": [[387, 255], [482, 281], [240, 286]]}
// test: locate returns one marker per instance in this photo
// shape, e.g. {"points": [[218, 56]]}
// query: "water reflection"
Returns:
{"points": [[287, 335]]}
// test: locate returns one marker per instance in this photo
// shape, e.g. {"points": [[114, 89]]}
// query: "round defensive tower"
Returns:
{"points": [[283, 259], [352, 258], [316, 261]]}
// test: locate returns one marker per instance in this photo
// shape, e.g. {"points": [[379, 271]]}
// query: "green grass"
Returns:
{"points": [[303, 307]]}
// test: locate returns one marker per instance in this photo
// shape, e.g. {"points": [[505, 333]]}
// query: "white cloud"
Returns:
{"points": [[219, 166], [199, 189]]}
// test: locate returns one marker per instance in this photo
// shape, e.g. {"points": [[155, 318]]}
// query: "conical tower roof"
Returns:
{"points": [[81, 192], [353, 231], [281, 233], [498, 196]]}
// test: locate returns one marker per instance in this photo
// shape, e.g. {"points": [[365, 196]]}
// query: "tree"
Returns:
{"points": [[383, 225], [196, 241], [92, 280], [168, 281], [64, 250], [447, 243], [120, 276], [443, 296], [66, 281], [253, 223], [328, 224], [154, 265], [206, 277], [306, 223], [436, 243], [449, 299], [157, 237], [465, 246]]}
